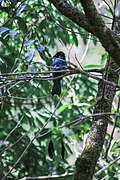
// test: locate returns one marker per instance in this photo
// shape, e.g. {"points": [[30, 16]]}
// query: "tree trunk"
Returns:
{"points": [[86, 163]]}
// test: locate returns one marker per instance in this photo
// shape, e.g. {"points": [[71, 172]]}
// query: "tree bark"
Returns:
{"points": [[86, 163]]}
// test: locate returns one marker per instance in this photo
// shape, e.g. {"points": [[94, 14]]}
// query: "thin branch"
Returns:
{"points": [[19, 54], [109, 6], [68, 72], [106, 16], [17, 125], [27, 98], [49, 177], [23, 85], [11, 145], [107, 166], [79, 120], [86, 48], [112, 133]]}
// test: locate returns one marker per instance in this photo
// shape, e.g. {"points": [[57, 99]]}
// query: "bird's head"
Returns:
{"points": [[59, 54]]}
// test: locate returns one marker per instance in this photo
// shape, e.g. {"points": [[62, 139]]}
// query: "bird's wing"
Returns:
{"points": [[58, 62]]}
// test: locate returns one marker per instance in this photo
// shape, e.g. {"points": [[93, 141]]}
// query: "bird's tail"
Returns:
{"points": [[56, 87]]}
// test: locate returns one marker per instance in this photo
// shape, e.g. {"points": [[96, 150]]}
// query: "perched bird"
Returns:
{"points": [[59, 63]]}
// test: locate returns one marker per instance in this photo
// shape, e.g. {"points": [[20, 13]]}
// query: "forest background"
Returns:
{"points": [[42, 136]]}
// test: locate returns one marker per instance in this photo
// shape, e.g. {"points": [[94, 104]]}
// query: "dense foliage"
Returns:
{"points": [[31, 120]]}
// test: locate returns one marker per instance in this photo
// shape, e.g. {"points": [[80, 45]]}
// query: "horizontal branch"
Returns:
{"points": [[47, 72], [107, 166], [49, 177], [43, 78], [79, 120]]}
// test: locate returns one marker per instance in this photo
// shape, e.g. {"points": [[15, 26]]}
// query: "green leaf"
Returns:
{"points": [[22, 24], [6, 44], [104, 58], [119, 82], [57, 132], [91, 66], [2, 61], [63, 107], [45, 135], [75, 39]]}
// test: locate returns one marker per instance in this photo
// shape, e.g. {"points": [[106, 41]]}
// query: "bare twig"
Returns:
{"points": [[108, 6], [11, 145], [49, 177], [112, 133], [107, 166], [17, 125], [86, 48], [68, 72], [79, 120]]}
